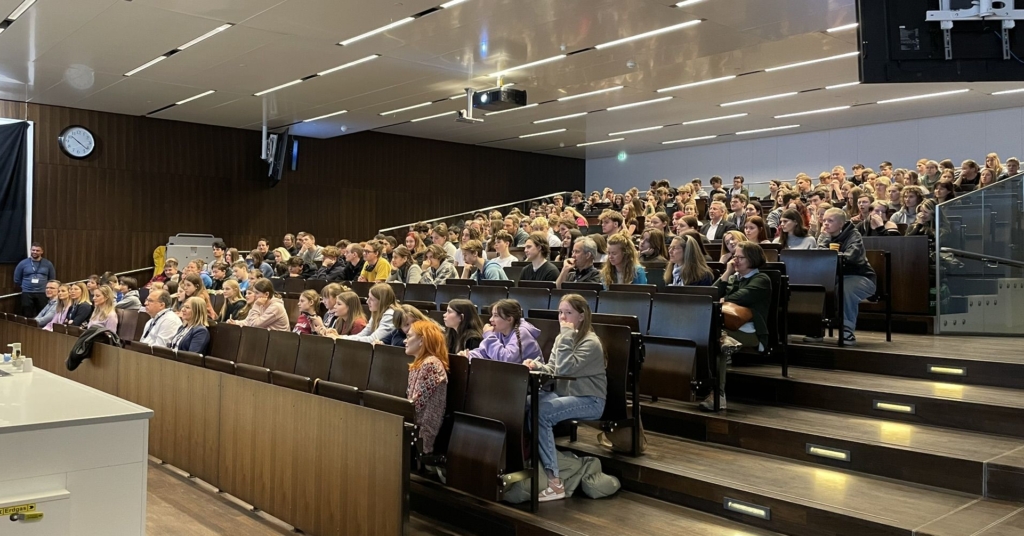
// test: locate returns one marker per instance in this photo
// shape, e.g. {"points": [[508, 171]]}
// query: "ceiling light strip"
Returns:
{"points": [[811, 62], [1009, 92], [528, 65], [641, 103], [407, 108], [590, 93], [205, 36], [645, 129], [511, 109], [847, 84], [561, 117], [687, 140], [435, 116], [21, 9], [325, 116], [759, 99], [695, 84], [925, 96], [685, 3], [810, 112], [382, 29], [760, 130], [148, 64], [651, 33], [452, 3], [349, 64], [543, 133], [166, 55], [275, 88], [598, 142], [844, 27], [719, 118], [199, 96]]}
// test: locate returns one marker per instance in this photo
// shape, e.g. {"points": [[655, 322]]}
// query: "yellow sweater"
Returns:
{"points": [[379, 273]]}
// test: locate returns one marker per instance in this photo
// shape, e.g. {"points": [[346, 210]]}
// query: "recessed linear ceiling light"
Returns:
{"points": [[435, 116], [559, 118], [512, 109], [146, 65], [925, 96], [275, 88], [589, 93], [685, 3], [370, 33], [809, 62], [349, 64], [463, 95], [325, 116], [651, 33], [758, 131], [641, 103], [695, 84], [499, 74], [206, 35], [821, 111], [847, 84], [413, 107], [598, 142], [698, 138], [850, 26], [451, 3], [199, 96], [2, 28], [719, 118], [759, 99], [542, 133], [18, 11], [646, 129], [1009, 92]]}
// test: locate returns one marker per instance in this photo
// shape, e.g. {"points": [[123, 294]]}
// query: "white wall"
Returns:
{"points": [[957, 137]]}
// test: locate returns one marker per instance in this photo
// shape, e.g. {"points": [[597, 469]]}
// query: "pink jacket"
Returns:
{"points": [[272, 316]]}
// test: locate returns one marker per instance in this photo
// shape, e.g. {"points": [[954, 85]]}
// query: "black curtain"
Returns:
{"points": [[13, 188]]}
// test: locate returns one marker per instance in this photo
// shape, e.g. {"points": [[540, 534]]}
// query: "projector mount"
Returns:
{"points": [[985, 10], [466, 116]]}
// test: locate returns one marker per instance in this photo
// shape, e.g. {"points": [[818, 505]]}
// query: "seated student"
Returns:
{"points": [[742, 284], [310, 252], [858, 276], [92, 283], [296, 267], [463, 327], [219, 274], [281, 257], [81, 305], [344, 315], [404, 317], [755, 230], [193, 335], [511, 226], [439, 237], [240, 273], [477, 267], [195, 266], [1011, 169], [792, 233], [622, 267], [234, 302], [415, 245], [381, 302], [468, 233], [502, 242], [309, 306], [331, 270], [259, 262], [717, 225], [129, 294], [686, 264], [192, 286], [876, 223], [652, 246], [738, 216], [376, 269], [577, 353], [163, 323], [267, 310], [924, 225], [61, 308], [508, 337], [611, 222], [103, 309], [354, 262], [170, 273], [687, 223], [428, 380], [729, 242], [912, 197], [50, 309], [580, 267], [403, 267], [539, 269], [438, 267]]}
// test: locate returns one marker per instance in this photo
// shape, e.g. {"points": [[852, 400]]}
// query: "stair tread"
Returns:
{"points": [[931, 439], [993, 349], [977, 394], [873, 499]]}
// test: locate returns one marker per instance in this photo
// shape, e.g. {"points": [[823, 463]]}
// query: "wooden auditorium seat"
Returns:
{"points": [[282, 349], [635, 303], [396, 405], [681, 342], [420, 292], [484, 296], [389, 371], [312, 362]]}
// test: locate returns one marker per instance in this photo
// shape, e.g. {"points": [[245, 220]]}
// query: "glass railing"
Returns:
{"points": [[524, 205], [979, 261]]}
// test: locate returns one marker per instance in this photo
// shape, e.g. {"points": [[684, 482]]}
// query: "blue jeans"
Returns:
{"points": [[555, 409], [855, 289]]}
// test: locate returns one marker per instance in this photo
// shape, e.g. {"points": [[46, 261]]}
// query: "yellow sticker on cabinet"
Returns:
{"points": [[21, 508]]}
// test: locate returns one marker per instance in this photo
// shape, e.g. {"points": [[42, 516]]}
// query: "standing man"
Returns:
{"points": [[32, 275], [50, 309]]}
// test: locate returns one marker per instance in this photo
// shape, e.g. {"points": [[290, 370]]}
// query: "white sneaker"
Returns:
{"points": [[550, 494], [709, 403]]}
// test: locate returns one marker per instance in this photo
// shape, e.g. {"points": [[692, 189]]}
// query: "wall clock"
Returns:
{"points": [[77, 142]]}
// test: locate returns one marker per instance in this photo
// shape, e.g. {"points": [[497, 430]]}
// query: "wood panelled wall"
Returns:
{"points": [[151, 178]]}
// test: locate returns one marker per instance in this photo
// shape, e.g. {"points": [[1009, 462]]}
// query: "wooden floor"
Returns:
{"points": [[998, 349]]}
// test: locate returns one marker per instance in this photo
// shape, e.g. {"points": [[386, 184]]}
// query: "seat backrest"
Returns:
{"points": [[483, 297], [278, 284], [351, 363], [549, 330], [617, 342], [589, 295], [294, 285], [420, 292], [459, 281], [251, 347], [399, 289], [291, 306], [878, 260], [655, 273], [458, 381], [225, 341], [818, 267], [692, 290], [775, 318], [778, 266], [397, 405], [282, 349], [316, 284], [216, 301], [362, 288], [513, 273], [337, 391], [530, 298], [649, 289], [636, 304], [683, 317], [550, 285], [596, 287], [436, 316], [476, 455], [140, 325], [628, 321], [448, 292], [389, 371], [314, 357], [498, 390], [127, 324], [164, 352]]}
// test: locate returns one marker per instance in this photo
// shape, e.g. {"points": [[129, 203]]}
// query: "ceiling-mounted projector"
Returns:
{"points": [[502, 98]]}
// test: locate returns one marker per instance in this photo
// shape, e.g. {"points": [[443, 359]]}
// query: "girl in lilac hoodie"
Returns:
{"points": [[508, 338]]}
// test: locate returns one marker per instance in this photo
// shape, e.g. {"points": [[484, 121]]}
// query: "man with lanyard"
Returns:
{"points": [[164, 324], [31, 275], [50, 309], [580, 267]]}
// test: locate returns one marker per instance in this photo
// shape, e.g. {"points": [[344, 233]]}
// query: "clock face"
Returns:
{"points": [[77, 142]]}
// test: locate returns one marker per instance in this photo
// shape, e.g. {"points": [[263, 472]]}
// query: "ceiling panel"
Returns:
{"points": [[135, 96], [332, 21], [232, 11], [221, 49]]}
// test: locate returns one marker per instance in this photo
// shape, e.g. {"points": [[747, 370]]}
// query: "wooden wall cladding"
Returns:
{"points": [[150, 178]]}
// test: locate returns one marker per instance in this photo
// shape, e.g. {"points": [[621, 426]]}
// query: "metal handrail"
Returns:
{"points": [[484, 210], [5, 296], [983, 258]]}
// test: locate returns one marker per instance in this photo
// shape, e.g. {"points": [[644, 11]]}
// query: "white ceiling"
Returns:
{"points": [[75, 53]]}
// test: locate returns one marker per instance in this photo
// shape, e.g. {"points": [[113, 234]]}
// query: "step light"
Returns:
{"points": [[827, 452], [894, 407], [947, 370], [749, 509]]}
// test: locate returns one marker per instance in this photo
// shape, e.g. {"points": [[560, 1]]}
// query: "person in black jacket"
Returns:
{"points": [[331, 270], [354, 256], [717, 225], [858, 276], [537, 251], [81, 308]]}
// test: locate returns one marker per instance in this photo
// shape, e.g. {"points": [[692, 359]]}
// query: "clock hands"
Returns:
{"points": [[78, 142]]}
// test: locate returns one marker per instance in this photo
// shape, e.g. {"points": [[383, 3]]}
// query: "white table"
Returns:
{"points": [[77, 454]]}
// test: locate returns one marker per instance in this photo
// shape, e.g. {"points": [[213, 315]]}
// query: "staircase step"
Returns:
{"points": [[991, 410], [902, 451], [788, 496]]}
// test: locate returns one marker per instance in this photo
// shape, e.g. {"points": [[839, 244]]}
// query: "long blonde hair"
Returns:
{"points": [[385, 296], [103, 311], [198, 308], [629, 261], [694, 267], [85, 297]]}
